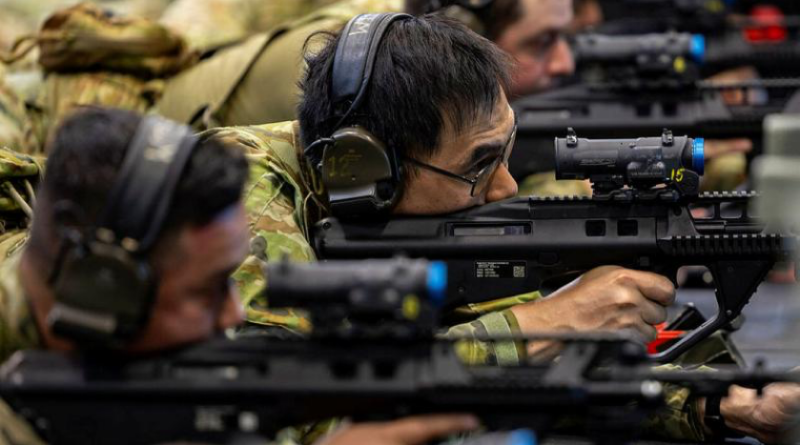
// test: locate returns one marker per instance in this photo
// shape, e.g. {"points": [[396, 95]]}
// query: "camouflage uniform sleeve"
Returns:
{"points": [[493, 324], [493, 319], [679, 419], [276, 199]]}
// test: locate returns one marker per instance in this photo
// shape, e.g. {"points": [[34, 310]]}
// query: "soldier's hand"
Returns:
{"points": [[407, 431], [719, 147], [605, 298], [772, 418]]}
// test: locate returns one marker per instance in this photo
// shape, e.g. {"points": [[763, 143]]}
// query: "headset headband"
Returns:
{"points": [[355, 57], [143, 191]]}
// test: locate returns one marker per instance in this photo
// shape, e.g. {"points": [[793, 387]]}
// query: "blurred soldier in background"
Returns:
{"points": [[256, 81]]}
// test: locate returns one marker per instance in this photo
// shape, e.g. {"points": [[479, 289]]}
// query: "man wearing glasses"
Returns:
{"points": [[437, 98]]}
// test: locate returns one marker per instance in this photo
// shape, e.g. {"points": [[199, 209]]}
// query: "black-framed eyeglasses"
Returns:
{"points": [[481, 179]]}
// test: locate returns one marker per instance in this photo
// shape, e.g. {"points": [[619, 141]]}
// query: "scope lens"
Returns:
{"points": [[699, 156], [437, 282], [697, 48], [522, 437]]}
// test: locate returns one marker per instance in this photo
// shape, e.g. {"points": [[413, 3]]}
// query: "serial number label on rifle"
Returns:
{"points": [[500, 269]]}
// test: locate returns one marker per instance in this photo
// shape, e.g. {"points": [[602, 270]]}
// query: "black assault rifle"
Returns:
{"points": [[519, 245], [638, 85], [709, 17], [372, 355]]}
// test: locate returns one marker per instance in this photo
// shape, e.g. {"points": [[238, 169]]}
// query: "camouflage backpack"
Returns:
{"points": [[86, 37], [92, 57]]}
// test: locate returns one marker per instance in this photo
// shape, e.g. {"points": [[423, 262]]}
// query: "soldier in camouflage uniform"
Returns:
{"points": [[227, 89], [88, 151], [285, 197]]}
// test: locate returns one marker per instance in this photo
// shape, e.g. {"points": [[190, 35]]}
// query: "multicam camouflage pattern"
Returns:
{"points": [[19, 175], [17, 331], [211, 23], [17, 326], [496, 324], [284, 198], [679, 419], [15, 128], [61, 94], [87, 37], [229, 88], [94, 59]]}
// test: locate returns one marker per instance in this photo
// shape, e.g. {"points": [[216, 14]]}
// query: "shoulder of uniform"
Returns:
{"points": [[277, 144], [255, 139]]}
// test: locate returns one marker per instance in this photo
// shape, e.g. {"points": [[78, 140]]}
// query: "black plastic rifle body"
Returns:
{"points": [[698, 16], [618, 113], [250, 388], [516, 246]]}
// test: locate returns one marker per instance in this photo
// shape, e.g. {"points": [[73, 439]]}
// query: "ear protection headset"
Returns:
{"points": [[362, 175], [104, 285]]}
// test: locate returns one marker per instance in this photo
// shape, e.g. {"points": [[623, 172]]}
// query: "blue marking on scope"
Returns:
{"points": [[437, 282], [697, 48], [522, 437], [699, 156]]}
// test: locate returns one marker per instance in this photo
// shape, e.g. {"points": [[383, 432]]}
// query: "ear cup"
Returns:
{"points": [[361, 173], [358, 173], [103, 284], [103, 295]]}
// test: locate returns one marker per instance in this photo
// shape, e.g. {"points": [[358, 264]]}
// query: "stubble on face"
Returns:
{"points": [[521, 41], [429, 193]]}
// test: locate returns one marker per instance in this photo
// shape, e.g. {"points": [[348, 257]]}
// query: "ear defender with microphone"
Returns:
{"points": [[103, 282], [361, 173]]}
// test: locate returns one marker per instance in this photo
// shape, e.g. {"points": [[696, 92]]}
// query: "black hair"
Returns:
{"points": [[495, 17], [428, 71], [86, 153]]}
